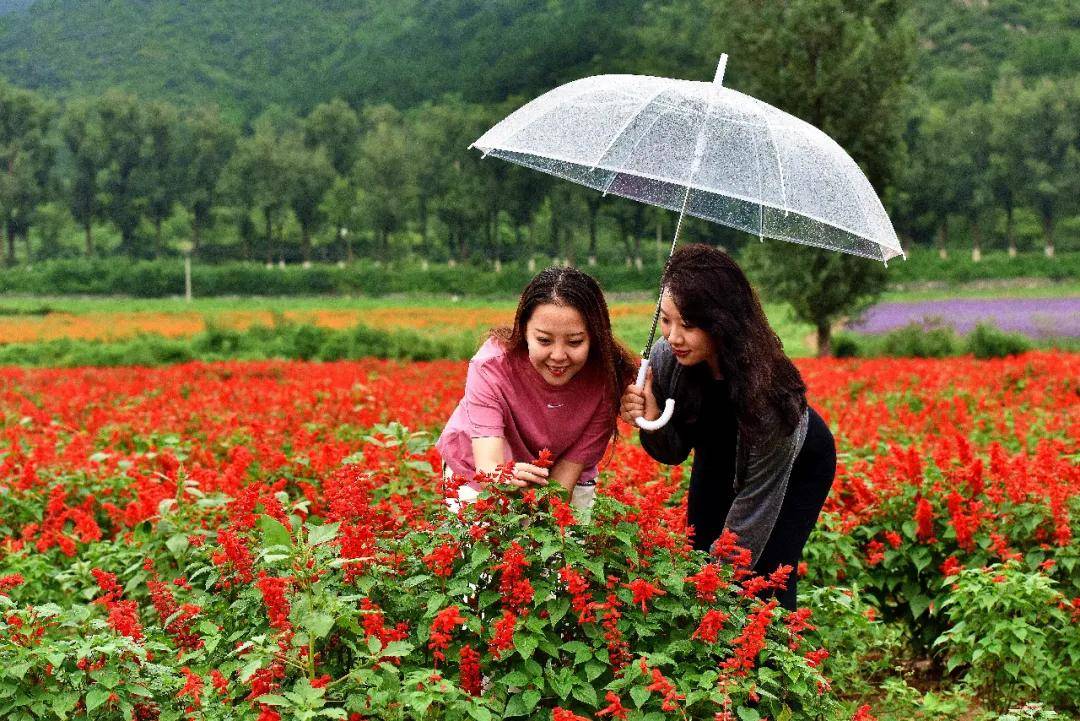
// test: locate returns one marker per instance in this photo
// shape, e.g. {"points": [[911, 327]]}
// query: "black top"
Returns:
{"points": [[704, 421]]}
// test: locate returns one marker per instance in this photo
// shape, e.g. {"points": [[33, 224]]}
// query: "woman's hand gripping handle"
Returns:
{"points": [[639, 405]]}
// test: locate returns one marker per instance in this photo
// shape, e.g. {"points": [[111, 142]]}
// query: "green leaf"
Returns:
{"points": [[62, 703], [918, 604], [317, 623], [95, 697], [479, 712], [530, 698], [318, 535], [515, 707], [397, 648], [593, 670], [272, 700], [585, 694], [748, 714], [274, 532], [525, 644], [640, 694], [177, 544], [18, 670]]}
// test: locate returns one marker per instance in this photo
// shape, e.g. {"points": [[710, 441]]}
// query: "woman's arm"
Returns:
{"points": [[761, 491], [488, 455], [567, 473]]}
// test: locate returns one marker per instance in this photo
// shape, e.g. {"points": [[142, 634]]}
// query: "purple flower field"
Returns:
{"points": [[1034, 317]]}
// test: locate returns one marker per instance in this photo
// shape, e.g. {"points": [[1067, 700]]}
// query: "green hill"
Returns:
{"points": [[245, 56]]}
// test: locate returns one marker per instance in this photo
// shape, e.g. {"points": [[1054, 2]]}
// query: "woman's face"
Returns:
{"points": [[691, 345], [558, 342]]}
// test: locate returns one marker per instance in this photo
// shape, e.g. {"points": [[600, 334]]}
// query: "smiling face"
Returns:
{"points": [[691, 344], [558, 342]]}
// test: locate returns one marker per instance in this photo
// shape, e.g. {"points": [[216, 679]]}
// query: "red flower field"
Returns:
{"points": [[268, 540]]}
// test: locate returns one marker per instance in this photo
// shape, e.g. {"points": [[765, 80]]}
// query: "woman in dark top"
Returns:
{"points": [[763, 459]]}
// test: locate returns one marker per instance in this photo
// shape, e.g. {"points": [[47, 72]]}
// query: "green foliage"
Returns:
{"points": [[1010, 637], [863, 650], [986, 341], [920, 341], [933, 340], [298, 341]]}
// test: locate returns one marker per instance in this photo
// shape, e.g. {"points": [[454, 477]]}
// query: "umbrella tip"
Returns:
{"points": [[720, 68]]}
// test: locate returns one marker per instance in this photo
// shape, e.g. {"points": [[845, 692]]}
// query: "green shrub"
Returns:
{"points": [[920, 341], [284, 340], [986, 341], [1010, 636], [847, 345]]}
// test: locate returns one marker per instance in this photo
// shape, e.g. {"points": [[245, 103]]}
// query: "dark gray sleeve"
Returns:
{"points": [[761, 492], [666, 444]]}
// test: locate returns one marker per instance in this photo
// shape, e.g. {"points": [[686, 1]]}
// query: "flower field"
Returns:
{"points": [[268, 540]]}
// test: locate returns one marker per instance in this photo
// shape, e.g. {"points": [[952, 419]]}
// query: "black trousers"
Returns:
{"points": [[711, 495]]}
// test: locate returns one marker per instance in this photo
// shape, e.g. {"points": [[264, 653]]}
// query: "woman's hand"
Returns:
{"points": [[637, 402], [526, 473]]}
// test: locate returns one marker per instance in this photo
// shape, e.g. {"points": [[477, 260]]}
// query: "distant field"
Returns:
{"points": [[31, 320], [24, 320]]}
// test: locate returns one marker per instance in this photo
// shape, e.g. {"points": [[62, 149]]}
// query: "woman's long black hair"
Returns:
{"points": [[712, 292], [567, 286]]}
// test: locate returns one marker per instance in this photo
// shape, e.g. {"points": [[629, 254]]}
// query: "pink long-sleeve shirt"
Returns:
{"points": [[506, 397]]}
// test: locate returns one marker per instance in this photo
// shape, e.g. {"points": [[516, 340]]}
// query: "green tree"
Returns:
{"points": [[26, 159], [334, 127], [387, 189], [123, 194], [340, 208], [1044, 123], [84, 138], [311, 175], [842, 66], [1007, 157], [160, 173], [258, 177], [208, 144]]}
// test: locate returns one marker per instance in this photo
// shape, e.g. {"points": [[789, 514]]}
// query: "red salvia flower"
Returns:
{"points": [[277, 604], [643, 591], [469, 665], [614, 709], [711, 624], [707, 582], [503, 639], [441, 559], [445, 623], [924, 521]]}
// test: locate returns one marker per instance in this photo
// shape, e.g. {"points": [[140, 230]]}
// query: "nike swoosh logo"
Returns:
{"points": [[555, 405]]}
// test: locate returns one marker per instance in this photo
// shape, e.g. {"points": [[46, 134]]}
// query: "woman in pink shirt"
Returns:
{"points": [[553, 380]]}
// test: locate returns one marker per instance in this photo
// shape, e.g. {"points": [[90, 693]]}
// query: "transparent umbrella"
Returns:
{"points": [[703, 150]]}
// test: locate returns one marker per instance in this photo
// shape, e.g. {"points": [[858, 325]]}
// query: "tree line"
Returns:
{"points": [[330, 185], [378, 181]]}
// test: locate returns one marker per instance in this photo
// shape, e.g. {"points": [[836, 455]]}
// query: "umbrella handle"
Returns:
{"points": [[669, 405]]}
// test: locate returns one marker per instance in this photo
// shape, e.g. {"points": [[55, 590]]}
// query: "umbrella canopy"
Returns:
{"points": [[704, 150]]}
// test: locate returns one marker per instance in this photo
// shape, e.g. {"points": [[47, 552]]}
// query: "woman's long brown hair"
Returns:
{"points": [[712, 292], [569, 287]]}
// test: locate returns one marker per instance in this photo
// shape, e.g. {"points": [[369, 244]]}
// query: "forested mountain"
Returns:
{"points": [[326, 128], [244, 56]]}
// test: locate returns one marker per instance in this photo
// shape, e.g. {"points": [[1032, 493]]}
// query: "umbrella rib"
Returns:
{"points": [[615, 173], [626, 125], [779, 164]]}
